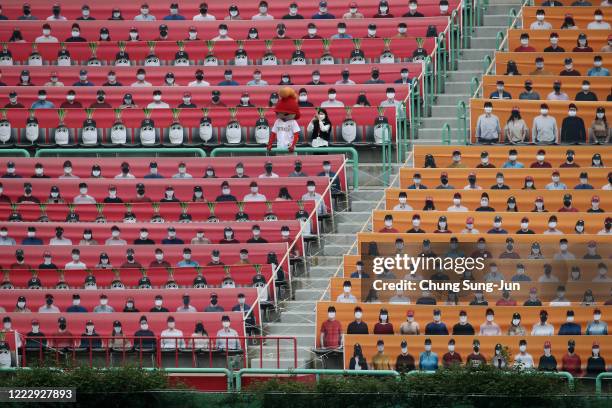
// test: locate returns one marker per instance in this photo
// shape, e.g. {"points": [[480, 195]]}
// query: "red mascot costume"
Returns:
{"points": [[286, 130]]}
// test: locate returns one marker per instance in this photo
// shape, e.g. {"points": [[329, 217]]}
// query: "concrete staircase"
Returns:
{"points": [[470, 65], [297, 317]]}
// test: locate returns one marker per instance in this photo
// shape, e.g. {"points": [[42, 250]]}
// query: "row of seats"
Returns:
{"points": [[568, 40], [236, 29], [110, 167], [559, 223], [157, 276], [188, 76], [580, 356], [96, 190], [163, 10], [281, 52], [500, 201], [538, 122], [498, 156], [173, 212], [556, 16], [543, 88], [552, 63], [30, 257], [513, 177], [466, 293]]}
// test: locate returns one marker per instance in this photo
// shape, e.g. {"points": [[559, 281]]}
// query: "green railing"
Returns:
{"points": [[467, 19], [307, 371], [404, 143], [486, 61], [353, 160], [428, 86], [454, 43], [499, 39], [598, 382], [481, 8], [441, 61], [387, 153], [446, 134], [14, 153], [462, 128], [122, 152], [511, 16], [474, 85]]}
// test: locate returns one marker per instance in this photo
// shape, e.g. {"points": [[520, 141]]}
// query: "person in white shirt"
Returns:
{"points": [[331, 101], [115, 238], [76, 262], [403, 205], [542, 328], [540, 24], [169, 336], [46, 36], [346, 296], [390, 101], [223, 34], [157, 101], [140, 79], [257, 81], [182, 172], [83, 197], [48, 307], [145, 14], [203, 15], [312, 195], [104, 307], [552, 226], [227, 337], [199, 81], [59, 238], [254, 195], [523, 359], [263, 12], [457, 207], [598, 23]]}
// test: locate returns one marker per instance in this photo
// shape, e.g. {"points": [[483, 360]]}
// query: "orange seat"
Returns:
{"points": [[515, 178], [498, 155], [555, 15], [374, 290], [529, 110], [543, 85], [463, 346], [568, 39], [553, 61], [553, 199], [483, 221]]}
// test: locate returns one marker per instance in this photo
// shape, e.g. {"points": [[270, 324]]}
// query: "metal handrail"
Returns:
{"points": [[598, 381], [446, 134], [462, 131], [309, 371], [353, 160], [14, 153]]}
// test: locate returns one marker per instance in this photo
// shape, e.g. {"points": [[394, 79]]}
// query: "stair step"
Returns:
{"points": [[289, 329], [464, 75], [448, 99], [372, 195], [355, 215], [307, 294], [326, 260], [498, 9], [346, 239], [498, 20], [489, 31], [435, 122], [319, 282], [347, 227], [297, 317], [484, 42], [475, 54], [361, 206], [338, 250]]}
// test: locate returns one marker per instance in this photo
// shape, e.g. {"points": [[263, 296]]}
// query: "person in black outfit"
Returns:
{"points": [[463, 328], [358, 361], [596, 363], [548, 362], [405, 361], [357, 326], [320, 127], [572, 128]]}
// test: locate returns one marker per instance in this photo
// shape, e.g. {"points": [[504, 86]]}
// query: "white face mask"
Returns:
{"points": [[371, 33], [75, 257], [115, 233], [103, 302], [383, 317], [140, 77], [87, 236], [490, 318], [416, 223], [596, 316], [428, 347], [463, 319], [516, 322], [544, 111], [158, 302], [402, 200], [451, 347], [540, 17], [572, 112], [524, 41], [347, 289], [563, 247], [21, 305], [193, 35], [552, 225], [311, 189], [524, 225], [75, 33], [388, 223], [226, 325], [600, 115], [358, 315], [488, 109], [159, 257], [523, 348], [144, 326], [390, 95], [157, 98]]}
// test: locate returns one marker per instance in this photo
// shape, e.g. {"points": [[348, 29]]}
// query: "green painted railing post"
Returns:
{"points": [[428, 87], [308, 371], [352, 161], [462, 131], [454, 40], [467, 17], [598, 382], [499, 38], [486, 61], [14, 153], [413, 106], [402, 131], [474, 84], [446, 134], [122, 152], [386, 154], [442, 59], [511, 16]]}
